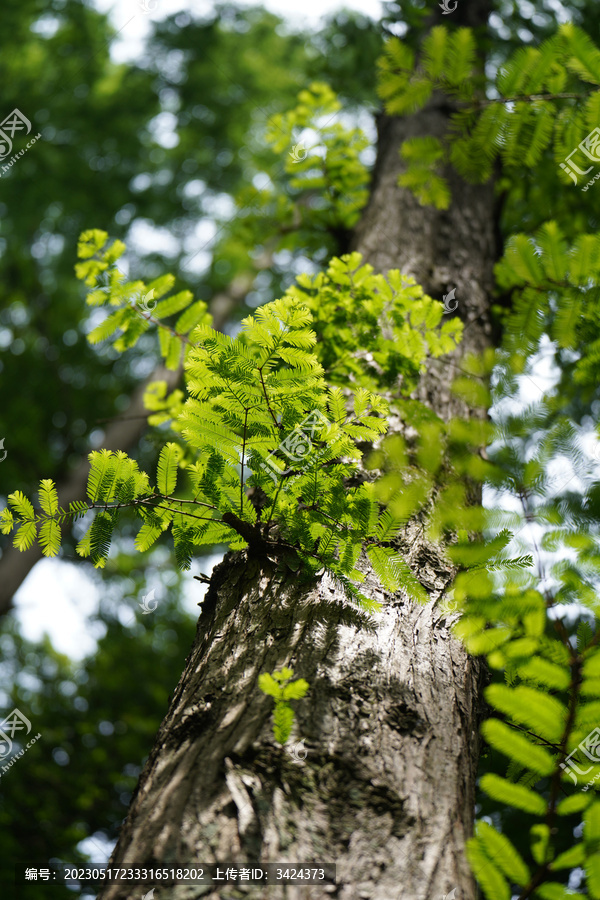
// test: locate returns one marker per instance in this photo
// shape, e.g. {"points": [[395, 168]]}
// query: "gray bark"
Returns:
{"points": [[390, 725]]}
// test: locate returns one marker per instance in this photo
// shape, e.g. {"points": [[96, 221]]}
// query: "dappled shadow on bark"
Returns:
{"points": [[218, 788]]}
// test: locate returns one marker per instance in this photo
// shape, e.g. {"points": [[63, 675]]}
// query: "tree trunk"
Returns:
{"points": [[390, 725]]}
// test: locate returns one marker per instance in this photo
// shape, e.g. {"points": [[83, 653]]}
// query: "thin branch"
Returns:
{"points": [[264, 387], [526, 98]]}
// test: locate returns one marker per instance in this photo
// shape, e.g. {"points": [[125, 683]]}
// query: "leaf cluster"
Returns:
{"points": [[317, 185], [138, 305], [272, 435], [373, 329], [280, 686], [326, 162], [555, 286], [543, 100]]}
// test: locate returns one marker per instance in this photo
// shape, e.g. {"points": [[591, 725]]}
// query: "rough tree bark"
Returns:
{"points": [[390, 725]]}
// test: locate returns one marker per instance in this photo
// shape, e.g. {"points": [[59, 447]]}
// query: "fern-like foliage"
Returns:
{"points": [[136, 306], [544, 100], [374, 330], [271, 437], [282, 688], [43, 524], [555, 286], [326, 162], [317, 185], [278, 444]]}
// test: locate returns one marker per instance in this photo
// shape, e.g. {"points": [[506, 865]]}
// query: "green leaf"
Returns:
{"points": [[540, 713], [48, 497], [574, 856], [147, 536], [584, 635], [502, 853], [101, 465], [173, 304], [7, 521], [283, 674], [389, 526], [183, 541], [166, 475], [193, 315], [108, 327], [49, 537], [540, 843], [491, 879], [585, 58], [295, 690], [91, 242], [394, 573], [283, 721], [100, 535], [516, 746], [21, 505], [592, 871], [268, 685], [573, 804], [461, 57], [591, 827], [546, 673], [25, 535], [504, 791], [553, 891]]}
